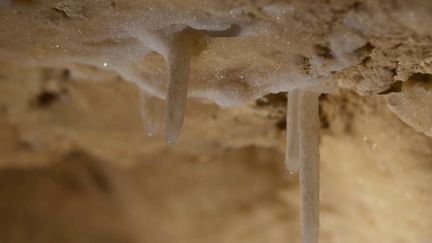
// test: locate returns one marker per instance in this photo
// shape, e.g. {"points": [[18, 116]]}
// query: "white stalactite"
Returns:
{"points": [[292, 160], [178, 62], [309, 166], [149, 113]]}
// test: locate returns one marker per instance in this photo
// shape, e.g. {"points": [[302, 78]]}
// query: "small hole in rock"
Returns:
{"points": [[46, 99]]}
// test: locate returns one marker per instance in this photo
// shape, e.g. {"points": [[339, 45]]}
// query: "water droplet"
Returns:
{"points": [[105, 64]]}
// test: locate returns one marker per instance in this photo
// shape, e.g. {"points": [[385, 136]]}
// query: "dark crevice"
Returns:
{"points": [[423, 80], [323, 51], [420, 77], [363, 53], [46, 99], [366, 48], [395, 88], [281, 124]]}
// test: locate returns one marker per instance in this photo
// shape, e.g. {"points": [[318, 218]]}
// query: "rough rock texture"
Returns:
{"points": [[78, 166], [238, 50], [242, 50]]}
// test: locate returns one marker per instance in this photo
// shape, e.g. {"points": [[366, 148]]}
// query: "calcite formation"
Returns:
{"points": [[231, 53]]}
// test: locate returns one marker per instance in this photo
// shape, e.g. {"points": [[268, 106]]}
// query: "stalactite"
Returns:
{"points": [[309, 165], [179, 59], [292, 160], [178, 62], [149, 113]]}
